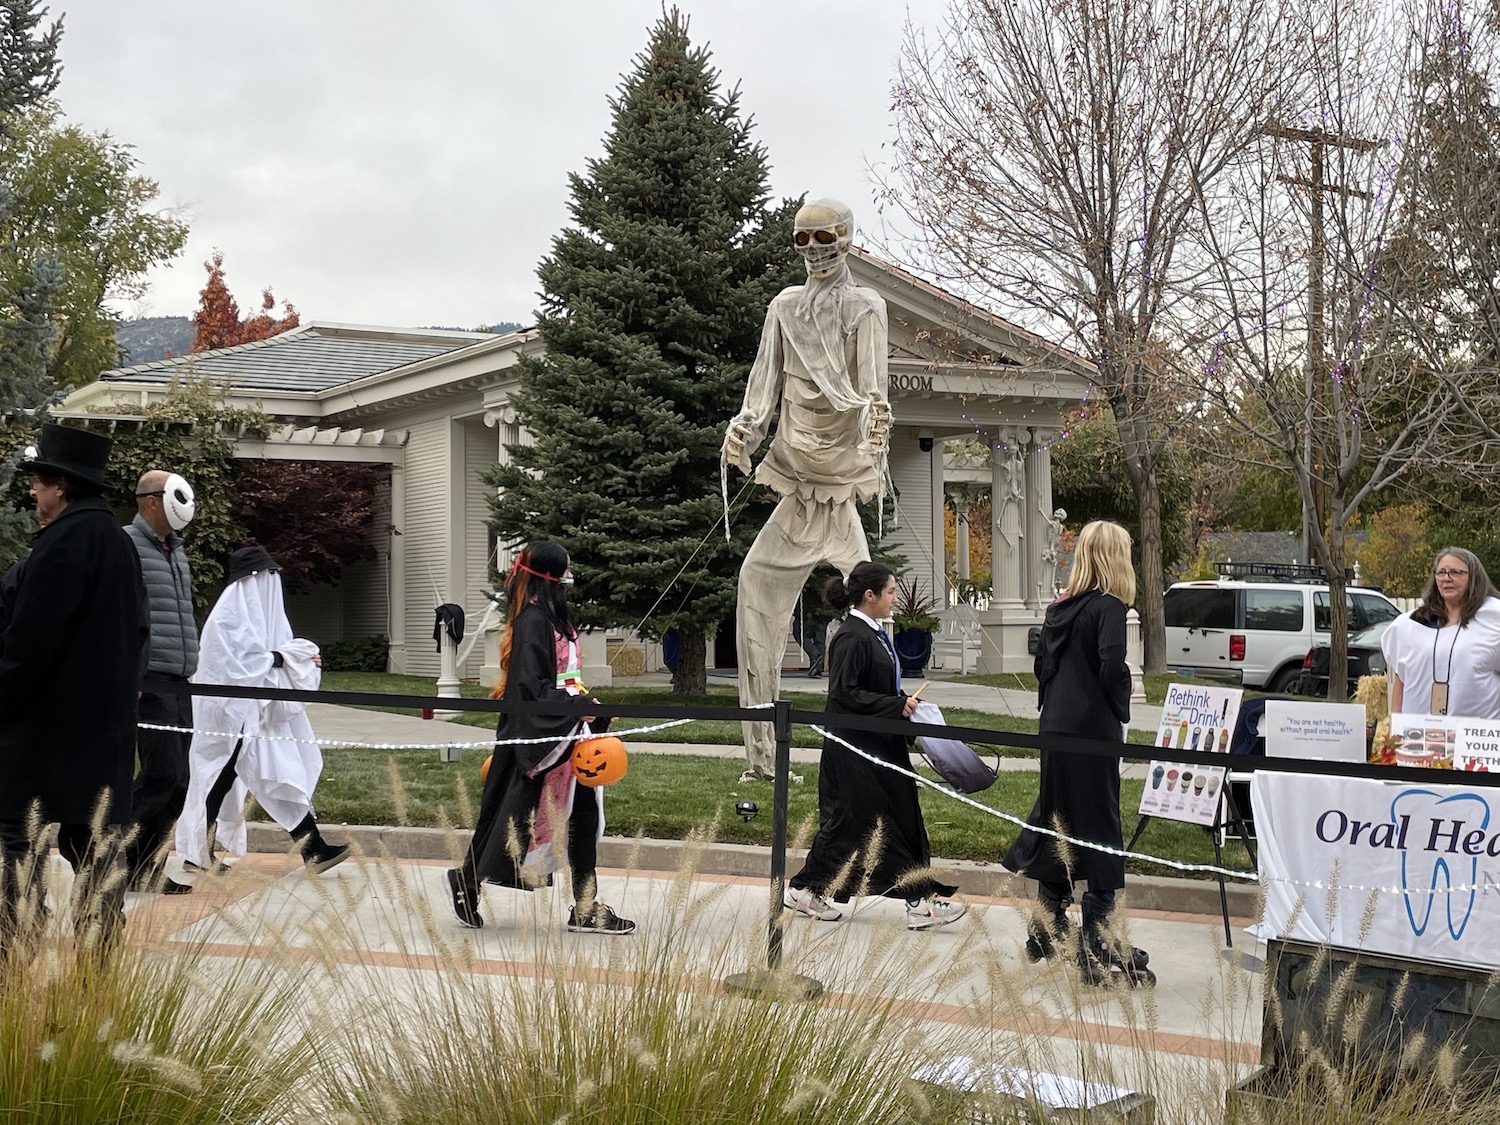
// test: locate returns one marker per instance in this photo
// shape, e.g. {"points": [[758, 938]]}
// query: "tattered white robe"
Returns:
{"points": [[823, 365], [280, 761]]}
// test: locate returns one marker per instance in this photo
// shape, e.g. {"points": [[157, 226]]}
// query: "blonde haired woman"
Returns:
{"points": [[1083, 690]]}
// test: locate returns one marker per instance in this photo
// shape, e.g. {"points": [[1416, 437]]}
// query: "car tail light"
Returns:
{"points": [[1236, 646], [1307, 661]]}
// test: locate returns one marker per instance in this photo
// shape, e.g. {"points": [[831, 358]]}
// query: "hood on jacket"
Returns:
{"points": [[1056, 633]]}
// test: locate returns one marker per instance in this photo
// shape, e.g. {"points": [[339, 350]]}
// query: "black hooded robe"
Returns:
{"points": [[71, 653], [502, 833], [854, 795], [1083, 688]]}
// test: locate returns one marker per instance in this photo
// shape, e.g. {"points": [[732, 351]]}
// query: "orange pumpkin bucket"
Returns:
{"points": [[600, 760]]}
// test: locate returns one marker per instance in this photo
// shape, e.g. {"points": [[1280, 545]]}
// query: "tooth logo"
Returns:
{"points": [[1436, 827]]}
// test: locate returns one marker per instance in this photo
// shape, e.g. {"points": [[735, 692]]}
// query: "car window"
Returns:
{"points": [[1376, 609], [1202, 607], [1320, 610], [1369, 637], [1278, 611]]}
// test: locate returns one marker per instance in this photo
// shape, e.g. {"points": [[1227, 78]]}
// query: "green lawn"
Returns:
{"points": [[1154, 686], [699, 732], [666, 796]]}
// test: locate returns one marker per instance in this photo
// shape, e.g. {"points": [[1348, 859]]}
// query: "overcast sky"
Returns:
{"points": [[394, 163]]}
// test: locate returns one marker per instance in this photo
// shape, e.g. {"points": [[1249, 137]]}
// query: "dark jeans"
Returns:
{"points": [[815, 643], [98, 888], [162, 784], [306, 833]]}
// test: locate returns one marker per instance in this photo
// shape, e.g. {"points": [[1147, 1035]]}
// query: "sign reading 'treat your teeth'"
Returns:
{"points": [[1400, 868]]}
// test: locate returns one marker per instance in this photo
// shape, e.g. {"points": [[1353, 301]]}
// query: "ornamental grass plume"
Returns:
{"points": [[154, 1032], [535, 1034]]}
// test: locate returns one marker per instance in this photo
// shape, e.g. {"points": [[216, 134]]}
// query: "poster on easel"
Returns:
{"points": [[1193, 717], [1446, 742]]}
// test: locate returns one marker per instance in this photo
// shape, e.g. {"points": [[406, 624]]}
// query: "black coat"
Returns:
{"points": [[510, 797], [70, 664], [1083, 687], [854, 795]]}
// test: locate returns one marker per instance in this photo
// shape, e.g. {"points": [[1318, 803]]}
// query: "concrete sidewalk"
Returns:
{"points": [[1184, 1041], [380, 729]]}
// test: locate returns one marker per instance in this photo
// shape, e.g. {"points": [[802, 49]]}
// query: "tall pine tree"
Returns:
{"points": [[28, 73], [652, 303]]}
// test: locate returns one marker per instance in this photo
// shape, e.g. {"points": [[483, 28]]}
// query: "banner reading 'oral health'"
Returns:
{"points": [[1432, 850]]}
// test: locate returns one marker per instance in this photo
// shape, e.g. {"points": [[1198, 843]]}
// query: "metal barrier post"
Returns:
{"points": [[781, 722], [774, 980]]}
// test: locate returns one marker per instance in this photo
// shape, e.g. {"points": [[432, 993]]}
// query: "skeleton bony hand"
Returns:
{"points": [[737, 440], [880, 422]]}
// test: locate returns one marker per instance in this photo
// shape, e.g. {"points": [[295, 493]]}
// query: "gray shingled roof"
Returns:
{"points": [[308, 359]]}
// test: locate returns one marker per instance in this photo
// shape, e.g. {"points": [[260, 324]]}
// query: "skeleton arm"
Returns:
{"points": [[747, 429], [872, 375]]}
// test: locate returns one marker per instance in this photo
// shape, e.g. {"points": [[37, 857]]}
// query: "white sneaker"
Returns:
{"points": [[933, 912], [803, 901]]}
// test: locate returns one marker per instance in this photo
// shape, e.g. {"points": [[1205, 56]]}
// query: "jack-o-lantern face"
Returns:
{"points": [[599, 761]]}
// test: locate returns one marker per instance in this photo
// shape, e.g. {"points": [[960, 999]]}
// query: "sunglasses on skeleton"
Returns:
{"points": [[821, 237]]}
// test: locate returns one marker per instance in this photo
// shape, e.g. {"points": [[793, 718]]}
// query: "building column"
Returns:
{"points": [[396, 572], [1007, 491], [961, 535], [939, 540], [1039, 581]]}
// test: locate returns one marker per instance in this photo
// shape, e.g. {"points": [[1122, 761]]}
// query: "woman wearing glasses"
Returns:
{"points": [[1443, 658]]}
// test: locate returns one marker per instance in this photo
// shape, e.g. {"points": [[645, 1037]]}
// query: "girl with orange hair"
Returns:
{"points": [[533, 815]]}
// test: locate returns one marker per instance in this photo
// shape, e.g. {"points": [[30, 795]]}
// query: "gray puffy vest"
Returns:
{"points": [[169, 589]]}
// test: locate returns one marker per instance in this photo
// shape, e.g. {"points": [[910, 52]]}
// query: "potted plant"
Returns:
{"points": [[915, 620]]}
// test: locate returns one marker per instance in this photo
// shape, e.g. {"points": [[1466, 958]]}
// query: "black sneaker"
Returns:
{"points": [[465, 906], [320, 859], [216, 867], [599, 919]]}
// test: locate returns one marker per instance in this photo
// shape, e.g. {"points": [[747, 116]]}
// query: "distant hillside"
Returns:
{"points": [[500, 328], [150, 338]]}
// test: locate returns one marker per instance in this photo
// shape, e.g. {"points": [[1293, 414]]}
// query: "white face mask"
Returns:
{"points": [[822, 233], [568, 581], [178, 503]]}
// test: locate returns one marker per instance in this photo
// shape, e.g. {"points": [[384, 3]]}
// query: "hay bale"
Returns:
{"points": [[627, 660]]}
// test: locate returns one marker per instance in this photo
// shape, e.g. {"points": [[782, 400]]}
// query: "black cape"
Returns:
{"points": [[858, 800], [502, 833], [70, 664], [1083, 688]]}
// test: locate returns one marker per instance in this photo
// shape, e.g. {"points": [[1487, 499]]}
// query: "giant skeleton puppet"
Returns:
{"points": [[823, 361]]}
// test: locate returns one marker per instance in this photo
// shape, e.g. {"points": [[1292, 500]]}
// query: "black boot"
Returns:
{"points": [[1044, 934], [318, 855], [1101, 955]]}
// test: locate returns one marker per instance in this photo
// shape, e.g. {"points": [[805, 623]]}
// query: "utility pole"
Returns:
{"points": [[1319, 141]]}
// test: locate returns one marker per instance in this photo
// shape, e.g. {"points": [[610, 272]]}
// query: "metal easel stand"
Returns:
{"points": [[1235, 821]]}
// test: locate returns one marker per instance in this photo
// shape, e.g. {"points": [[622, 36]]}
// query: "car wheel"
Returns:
{"points": [[1285, 681]]}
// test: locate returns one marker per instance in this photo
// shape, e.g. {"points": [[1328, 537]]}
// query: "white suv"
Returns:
{"points": [[1257, 633]]}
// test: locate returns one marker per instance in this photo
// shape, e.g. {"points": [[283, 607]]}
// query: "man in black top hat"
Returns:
{"points": [[70, 665]]}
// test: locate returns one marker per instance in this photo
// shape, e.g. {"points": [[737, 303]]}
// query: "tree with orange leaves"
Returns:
{"points": [[217, 323]]}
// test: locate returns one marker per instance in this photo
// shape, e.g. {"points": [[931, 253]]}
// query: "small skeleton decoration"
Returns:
{"points": [[1011, 497], [822, 371], [1054, 534]]}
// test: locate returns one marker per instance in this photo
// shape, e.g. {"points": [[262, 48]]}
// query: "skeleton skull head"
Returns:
{"points": [[822, 232]]}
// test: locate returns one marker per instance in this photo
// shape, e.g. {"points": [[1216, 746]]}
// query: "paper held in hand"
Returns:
{"points": [[1193, 717]]}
